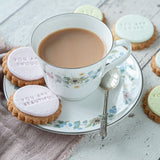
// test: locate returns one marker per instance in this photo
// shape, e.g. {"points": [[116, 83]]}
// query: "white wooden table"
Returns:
{"points": [[135, 137]]}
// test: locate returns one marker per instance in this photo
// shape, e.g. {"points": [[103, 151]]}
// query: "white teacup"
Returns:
{"points": [[76, 83]]}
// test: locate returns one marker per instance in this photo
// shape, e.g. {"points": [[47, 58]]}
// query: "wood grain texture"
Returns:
{"points": [[133, 138], [150, 9], [9, 7], [17, 30]]}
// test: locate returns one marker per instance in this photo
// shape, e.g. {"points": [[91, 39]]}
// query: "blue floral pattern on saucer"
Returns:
{"points": [[85, 116]]}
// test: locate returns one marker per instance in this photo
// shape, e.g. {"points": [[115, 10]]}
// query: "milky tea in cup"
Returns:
{"points": [[72, 48], [73, 51]]}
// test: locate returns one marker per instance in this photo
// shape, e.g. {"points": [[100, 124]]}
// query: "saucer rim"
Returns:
{"points": [[94, 130]]}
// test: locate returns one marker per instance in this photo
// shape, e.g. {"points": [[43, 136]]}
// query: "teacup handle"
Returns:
{"points": [[114, 63]]}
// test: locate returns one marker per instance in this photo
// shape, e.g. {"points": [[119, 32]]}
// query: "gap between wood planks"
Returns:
{"points": [[100, 4], [146, 60], [147, 56], [12, 14], [143, 62]]}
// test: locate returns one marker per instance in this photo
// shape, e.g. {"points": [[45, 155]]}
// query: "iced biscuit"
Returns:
{"points": [[155, 63], [136, 29], [91, 11], [34, 104], [21, 67], [151, 104]]}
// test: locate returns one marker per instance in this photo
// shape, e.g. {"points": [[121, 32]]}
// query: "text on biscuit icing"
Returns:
{"points": [[36, 99], [26, 61]]}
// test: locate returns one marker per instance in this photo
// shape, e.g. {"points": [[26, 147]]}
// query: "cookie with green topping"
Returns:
{"points": [[151, 104], [91, 11], [136, 29]]}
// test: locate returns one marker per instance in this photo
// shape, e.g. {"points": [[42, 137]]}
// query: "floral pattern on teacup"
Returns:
{"points": [[128, 75], [75, 82]]}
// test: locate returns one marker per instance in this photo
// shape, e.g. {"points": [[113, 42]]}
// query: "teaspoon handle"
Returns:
{"points": [[103, 129]]}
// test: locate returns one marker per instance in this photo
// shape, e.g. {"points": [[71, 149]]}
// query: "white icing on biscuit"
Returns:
{"points": [[157, 59], [90, 10], [36, 100], [134, 28], [24, 64]]}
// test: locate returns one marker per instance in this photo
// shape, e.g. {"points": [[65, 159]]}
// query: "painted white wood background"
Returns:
{"points": [[133, 138]]}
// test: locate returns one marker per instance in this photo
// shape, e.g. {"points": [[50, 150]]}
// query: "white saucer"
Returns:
{"points": [[81, 117]]}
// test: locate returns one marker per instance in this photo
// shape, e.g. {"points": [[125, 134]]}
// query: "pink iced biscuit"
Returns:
{"points": [[24, 64], [36, 100]]}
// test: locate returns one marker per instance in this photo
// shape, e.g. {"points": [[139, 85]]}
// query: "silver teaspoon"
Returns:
{"points": [[109, 81]]}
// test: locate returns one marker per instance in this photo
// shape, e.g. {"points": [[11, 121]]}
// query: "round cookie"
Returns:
{"points": [[34, 104], [151, 104], [155, 63], [21, 67], [136, 29], [91, 11]]}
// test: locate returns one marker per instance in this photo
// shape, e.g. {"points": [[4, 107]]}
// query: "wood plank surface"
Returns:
{"points": [[9, 7], [18, 28], [135, 137]]}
